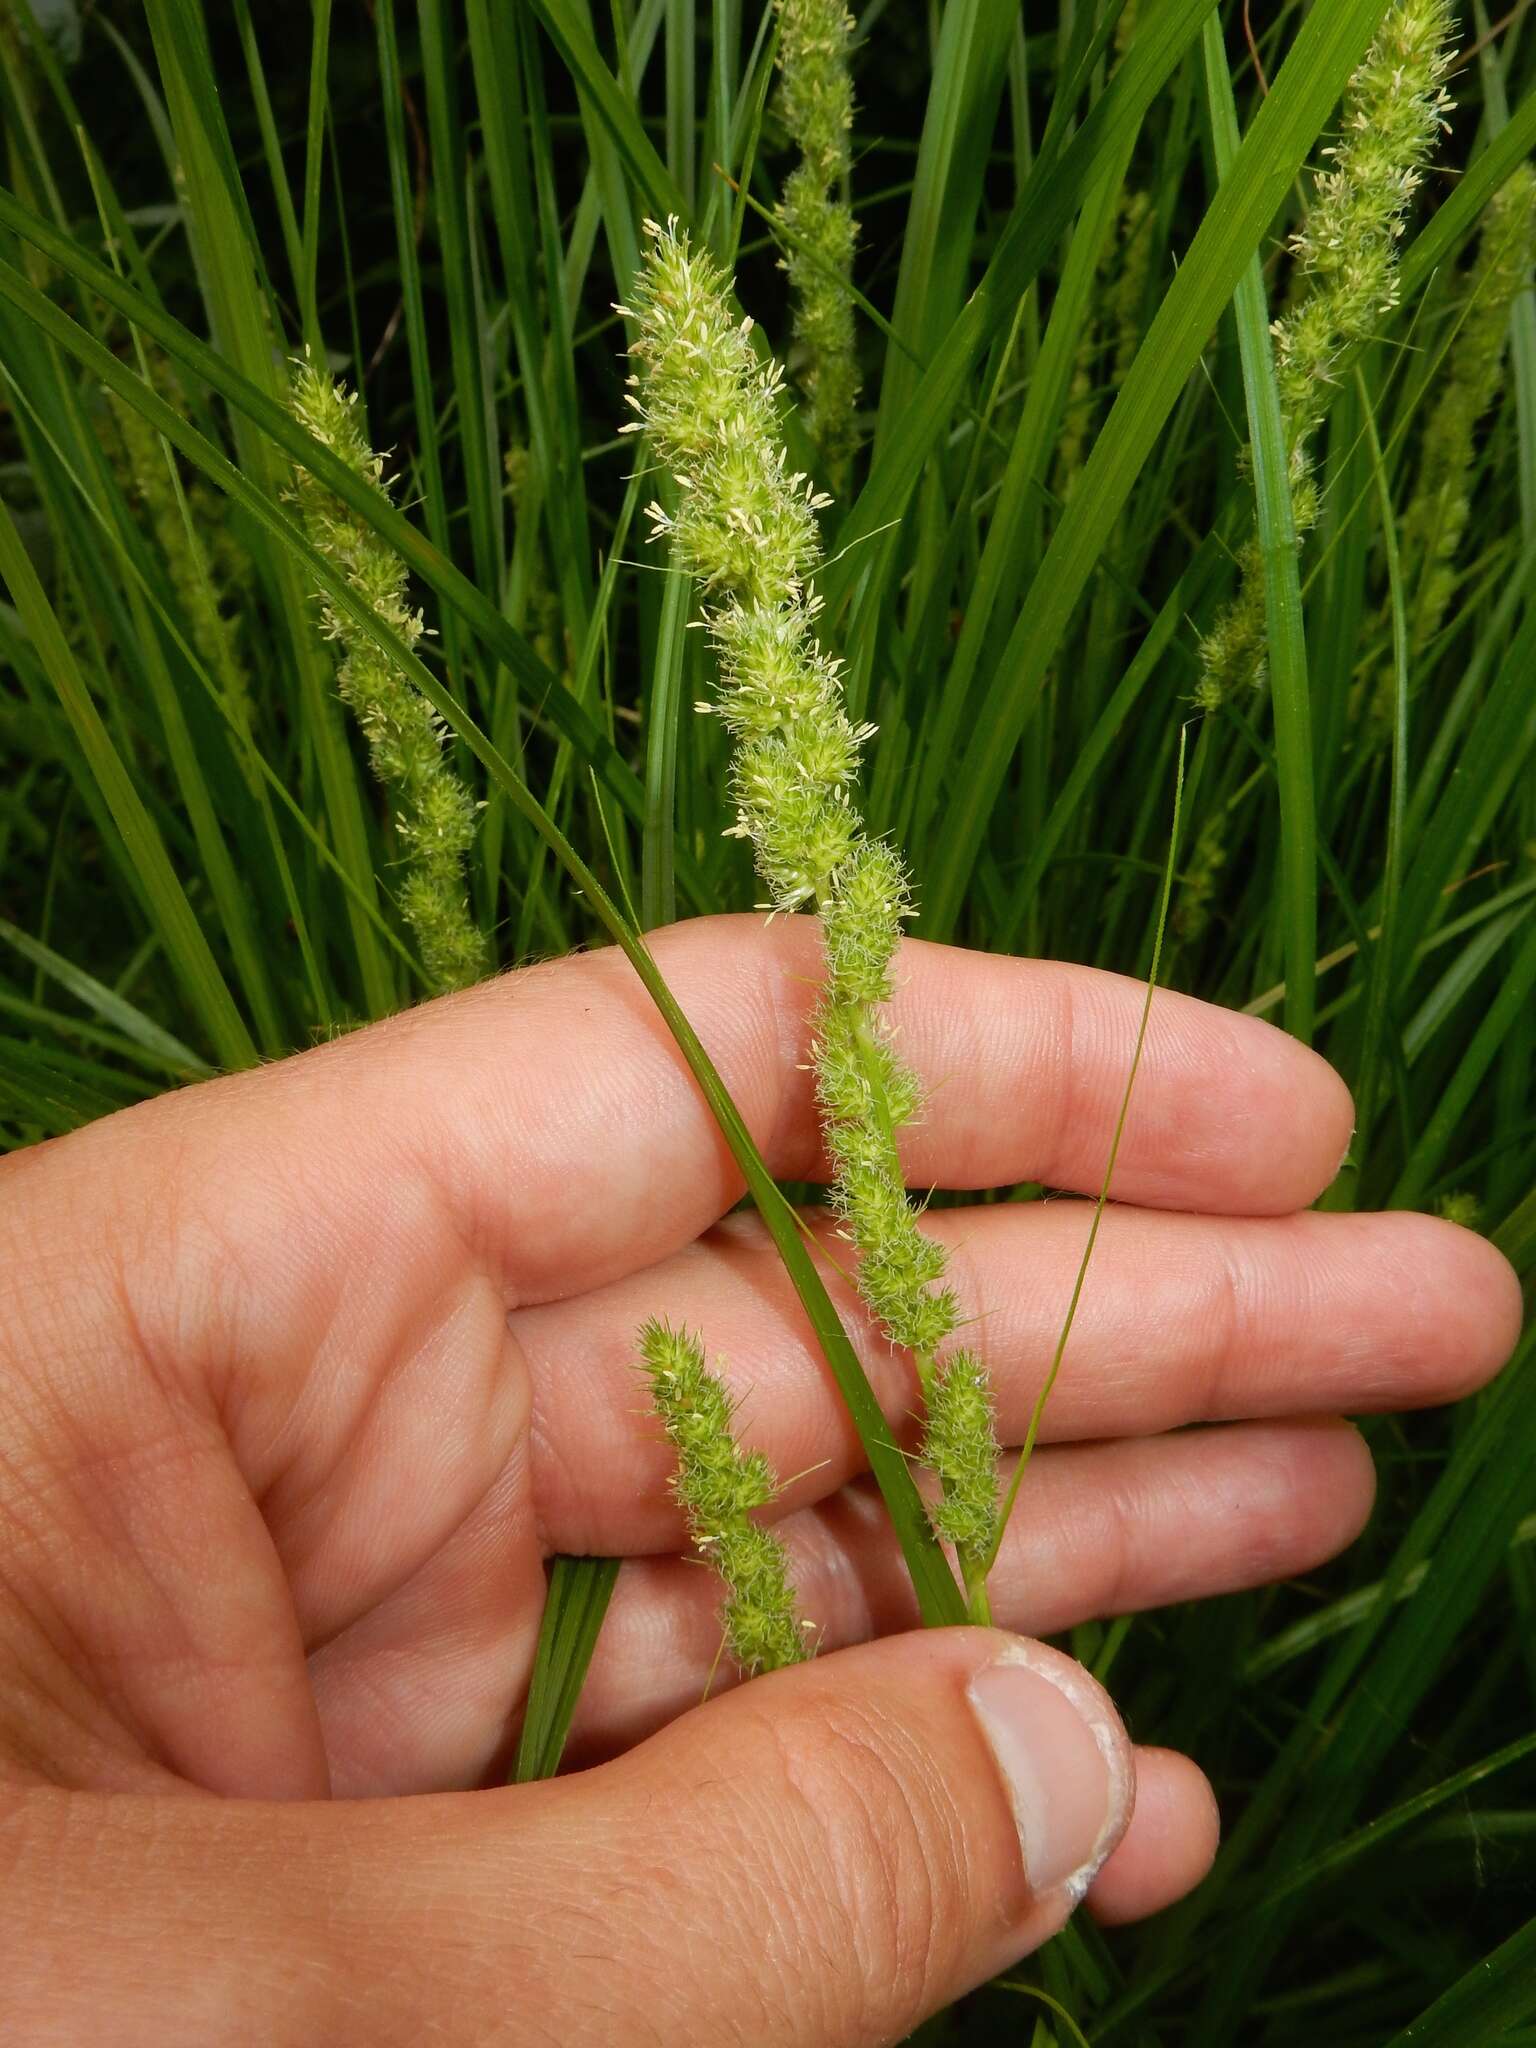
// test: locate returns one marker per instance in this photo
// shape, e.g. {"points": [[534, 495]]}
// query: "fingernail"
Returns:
{"points": [[1065, 1762]]}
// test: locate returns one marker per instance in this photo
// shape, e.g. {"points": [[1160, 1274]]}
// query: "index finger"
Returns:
{"points": [[558, 1112]]}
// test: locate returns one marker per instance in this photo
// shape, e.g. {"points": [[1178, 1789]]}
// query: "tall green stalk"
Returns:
{"points": [[745, 530]]}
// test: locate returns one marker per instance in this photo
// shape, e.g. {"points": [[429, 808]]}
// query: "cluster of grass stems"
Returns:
{"points": [[1026, 303]]}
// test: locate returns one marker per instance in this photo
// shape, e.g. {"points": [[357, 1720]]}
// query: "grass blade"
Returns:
{"points": [[1044, 208], [174, 917], [1290, 693], [579, 53], [1492, 1996], [106, 1004], [580, 1589]]}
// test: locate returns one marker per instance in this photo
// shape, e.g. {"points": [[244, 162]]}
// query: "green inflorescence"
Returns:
{"points": [[1436, 517], [960, 1446], [1202, 874], [746, 531], [1346, 252], [1394, 110], [816, 104], [718, 1486], [434, 814]]}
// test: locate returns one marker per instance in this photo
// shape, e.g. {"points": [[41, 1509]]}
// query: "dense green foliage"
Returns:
{"points": [[1073, 234]]}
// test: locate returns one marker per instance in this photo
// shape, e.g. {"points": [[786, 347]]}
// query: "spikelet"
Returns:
{"points": [[1437, 513], [718, 1486], [1394, 111], [960, 1446], [1346, 252], [1202, 872], [434, 814], [816, 104]]}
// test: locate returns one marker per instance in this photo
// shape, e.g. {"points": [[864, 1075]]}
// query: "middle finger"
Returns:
{"points": [[1184, 1319]]}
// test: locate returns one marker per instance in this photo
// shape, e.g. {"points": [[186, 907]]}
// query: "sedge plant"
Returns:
{"points": [[433, 812], [1029, 552], [815, 102], [1346, 257]]}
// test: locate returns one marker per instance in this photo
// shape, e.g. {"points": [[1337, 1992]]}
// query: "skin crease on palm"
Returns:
{"points": [[305, 1373]]}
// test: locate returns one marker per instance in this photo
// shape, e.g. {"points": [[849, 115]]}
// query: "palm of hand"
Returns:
{"points": [[309, 1371]]}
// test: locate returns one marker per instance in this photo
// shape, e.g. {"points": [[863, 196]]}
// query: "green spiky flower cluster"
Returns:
{"points": [[866, 1094], [816, 104], [1346, 251], [1202, 873], [746, 531], [1436, 517], [434, 814], [1394, 111], [717, 1486], [960, 1446], [1232, 652]]}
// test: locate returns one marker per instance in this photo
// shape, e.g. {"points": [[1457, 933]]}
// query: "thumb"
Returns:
{"points": [[826, 1855]]}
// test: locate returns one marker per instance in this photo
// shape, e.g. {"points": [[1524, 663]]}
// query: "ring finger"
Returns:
{"points": [[1099, 1530]]}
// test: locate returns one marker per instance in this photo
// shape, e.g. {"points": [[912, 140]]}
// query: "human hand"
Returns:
{"points": [[304, 1374]]}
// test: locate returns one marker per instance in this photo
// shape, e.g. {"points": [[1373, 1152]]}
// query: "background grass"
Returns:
{"points": [[1071, 239]]}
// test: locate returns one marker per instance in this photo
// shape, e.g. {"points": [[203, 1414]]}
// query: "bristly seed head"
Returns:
{"points": [[815, 102], [434, 814], [1394, 111], [718, 1485], [745, 530]]}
